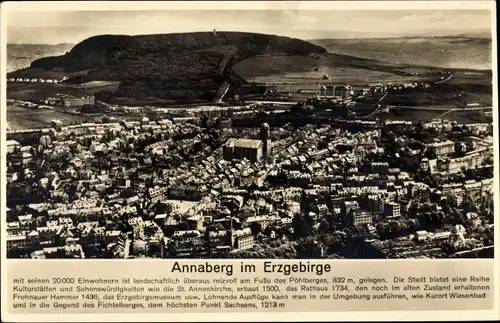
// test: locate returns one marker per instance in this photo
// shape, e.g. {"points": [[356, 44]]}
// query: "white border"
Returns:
{"points": [[247, 5]]}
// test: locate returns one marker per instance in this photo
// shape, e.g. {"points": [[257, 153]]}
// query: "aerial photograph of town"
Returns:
{"points": [[282, 134]]}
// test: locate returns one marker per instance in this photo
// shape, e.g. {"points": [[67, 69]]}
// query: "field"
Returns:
{"points": [[302, 72], [40, 91], [294, 73], [467, 117], [25, 118], [462, 117], [446, 52], [400, 60]]}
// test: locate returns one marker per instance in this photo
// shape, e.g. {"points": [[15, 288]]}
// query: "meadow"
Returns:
{"points": [[26, 118]]}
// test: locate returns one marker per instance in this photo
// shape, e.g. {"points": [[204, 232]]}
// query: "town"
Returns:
{"points": [[205, 186]]}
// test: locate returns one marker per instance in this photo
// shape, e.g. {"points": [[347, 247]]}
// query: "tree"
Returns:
{"points": [[299, 226], [161, 208], [335, 242], [172, 250], [308, 248], [256, 228], [324, 226]]}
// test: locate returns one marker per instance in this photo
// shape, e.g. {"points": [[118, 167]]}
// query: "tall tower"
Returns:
{"points": [[264, 136]]}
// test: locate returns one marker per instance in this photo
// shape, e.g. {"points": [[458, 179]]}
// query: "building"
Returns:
{"points": [[263, 220], [360, 217], [195, 223], [79, 102], [187, 192], [470, 161], [157, 193], [392, 210], [348, 206], [442, 148], [422, 235], [250, 149], [425, 164], [12, 145], [334, 91], [457, 197], [131, 110], [380, 167], [16, 242], [57, 124], [266, 142], [473, 190], [373, 203], [420, 192], [243, 239]]}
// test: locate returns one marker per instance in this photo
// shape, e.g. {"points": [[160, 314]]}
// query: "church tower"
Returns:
{"points": [[266, 141]]}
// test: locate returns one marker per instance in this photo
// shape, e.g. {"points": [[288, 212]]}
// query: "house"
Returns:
{"points": [[157, 193], [243, 239], [422, 235], [360, 217], [12, 145], [441, 148]]}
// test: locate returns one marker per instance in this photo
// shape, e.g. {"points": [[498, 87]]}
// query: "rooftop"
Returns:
{"points": [[441, 143], [244, 143]]}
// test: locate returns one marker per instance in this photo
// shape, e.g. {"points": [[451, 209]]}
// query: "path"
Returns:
{"points": [[443, 114]]}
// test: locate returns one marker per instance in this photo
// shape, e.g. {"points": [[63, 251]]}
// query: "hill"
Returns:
{"points": [[461, 52], [178, 67]]}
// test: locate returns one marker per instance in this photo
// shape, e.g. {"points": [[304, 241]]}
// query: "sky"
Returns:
{"points": [[54, 27]]}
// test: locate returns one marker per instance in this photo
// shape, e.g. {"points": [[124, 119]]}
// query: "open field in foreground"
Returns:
{"points": [[25, 118]]}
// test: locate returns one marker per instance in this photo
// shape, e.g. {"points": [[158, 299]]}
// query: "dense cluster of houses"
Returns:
{"points": [[168, 189], [35, 80]]}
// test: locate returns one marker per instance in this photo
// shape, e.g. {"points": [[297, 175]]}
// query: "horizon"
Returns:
{"points": [[480, 33], [72, 27]]}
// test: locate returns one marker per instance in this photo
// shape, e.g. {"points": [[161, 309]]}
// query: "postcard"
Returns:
{"points": [[233, 161]]}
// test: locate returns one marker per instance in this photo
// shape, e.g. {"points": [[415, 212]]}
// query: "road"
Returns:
{"points": [[439, 108], [379, 106], [223, 64], [273, 102], [224, 88], [443, 114]]}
